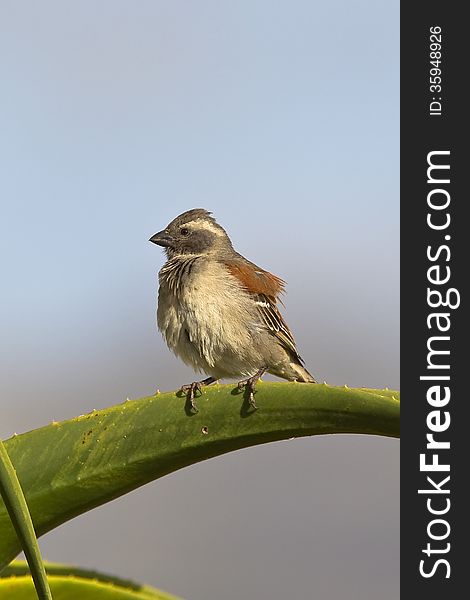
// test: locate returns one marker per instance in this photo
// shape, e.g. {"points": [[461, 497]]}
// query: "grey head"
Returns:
{"points": [[193, 232]]}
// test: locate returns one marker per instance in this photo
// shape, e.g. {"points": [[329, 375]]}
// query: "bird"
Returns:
{"points": [[219, 312]]}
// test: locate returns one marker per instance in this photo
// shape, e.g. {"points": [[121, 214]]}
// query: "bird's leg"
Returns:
{"points": [[250, 385], [196, 386]]}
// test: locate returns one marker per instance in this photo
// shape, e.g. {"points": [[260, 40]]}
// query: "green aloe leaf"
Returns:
{"points": [[15, 503], [70, 467], [71, 583]]}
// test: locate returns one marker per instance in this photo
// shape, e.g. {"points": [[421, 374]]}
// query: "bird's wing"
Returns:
{"points": [[265, 287], [276, 324], [255, 279]]}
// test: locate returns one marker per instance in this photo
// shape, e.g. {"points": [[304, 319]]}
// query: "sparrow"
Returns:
{"points": [[218, 312]]}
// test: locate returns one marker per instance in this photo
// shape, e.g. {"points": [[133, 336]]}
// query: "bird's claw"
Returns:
{"points": [[190, 390], [249, 384], [196, 386]]}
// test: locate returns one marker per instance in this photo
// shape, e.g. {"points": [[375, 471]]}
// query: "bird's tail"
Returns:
{"points": [[302, 374]]}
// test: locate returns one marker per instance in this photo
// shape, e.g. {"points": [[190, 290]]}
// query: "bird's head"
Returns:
{"points": [[193, 232]]}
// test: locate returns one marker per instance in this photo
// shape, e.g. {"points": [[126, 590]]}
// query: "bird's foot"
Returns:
{"points": [[191, 388], [250, 384]]}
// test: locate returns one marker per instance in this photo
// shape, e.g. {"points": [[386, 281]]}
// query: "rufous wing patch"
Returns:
{"points": [[256, 280], [265, 288]]}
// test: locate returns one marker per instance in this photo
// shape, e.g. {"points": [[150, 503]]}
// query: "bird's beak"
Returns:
{"points": [[162, 239]]}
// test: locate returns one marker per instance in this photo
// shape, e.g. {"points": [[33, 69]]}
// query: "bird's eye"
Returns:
{"points": [[184, 231]]}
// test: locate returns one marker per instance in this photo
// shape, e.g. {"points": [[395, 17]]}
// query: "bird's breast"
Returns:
{"points": [[202, 312]]}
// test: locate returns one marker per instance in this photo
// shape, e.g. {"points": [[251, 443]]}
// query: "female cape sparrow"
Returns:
{"points": [[218, 311]]}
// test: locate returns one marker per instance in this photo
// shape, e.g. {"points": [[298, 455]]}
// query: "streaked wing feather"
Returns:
{"points": [[275, 323], [265, 289]]}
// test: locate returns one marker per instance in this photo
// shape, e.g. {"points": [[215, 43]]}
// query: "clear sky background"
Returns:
{"points": [[280, 117]]}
